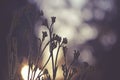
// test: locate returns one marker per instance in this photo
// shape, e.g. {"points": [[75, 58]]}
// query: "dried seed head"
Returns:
{"points": [[53, 45], [53, 19], [65, 41]]}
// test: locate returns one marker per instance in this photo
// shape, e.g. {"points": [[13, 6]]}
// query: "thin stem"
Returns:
{"points": [[28, 72], [51, 52], [41, 42], [34, 75], [70, 65], [44, 66], [41, 55], [42, 51], [65, 78], [57, 55], [69, 68]]}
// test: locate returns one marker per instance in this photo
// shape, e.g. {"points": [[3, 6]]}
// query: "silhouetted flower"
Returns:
{"points": [[53, 19], [44, 35], [53, 45], [76, 54], [56, 37], [65, 41]]}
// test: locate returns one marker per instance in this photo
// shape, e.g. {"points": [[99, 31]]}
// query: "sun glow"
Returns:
{"points": [[24, 72]]}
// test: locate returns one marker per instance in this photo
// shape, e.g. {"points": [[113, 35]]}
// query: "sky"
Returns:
{"points": [[108, 59]]}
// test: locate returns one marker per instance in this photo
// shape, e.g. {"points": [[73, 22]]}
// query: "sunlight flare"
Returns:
{"points": [[24, 72]]}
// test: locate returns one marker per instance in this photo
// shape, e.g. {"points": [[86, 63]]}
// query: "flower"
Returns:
{"points": [[53, 45], [76, 54], [44, 35], [53, 19], [65, 41], [56, 37]]}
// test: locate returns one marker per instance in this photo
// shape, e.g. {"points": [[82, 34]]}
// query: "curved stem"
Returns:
{"points": [[57, 55], [42, 51], [51, 52], [44, 66], [69, 68], [70, 65]]}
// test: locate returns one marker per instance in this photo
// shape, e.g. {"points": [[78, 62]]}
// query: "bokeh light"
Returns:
{"points": [[71, 16], [24, 72]]}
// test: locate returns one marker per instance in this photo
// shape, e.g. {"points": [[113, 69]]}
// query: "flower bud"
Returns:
{"points": [[53, 19], [65, 41]]}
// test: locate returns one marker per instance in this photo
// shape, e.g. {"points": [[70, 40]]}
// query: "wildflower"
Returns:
{"points": [[76, 54], [53, 19], [56, 37], [44, 35], [53, 45], [65, 41]]}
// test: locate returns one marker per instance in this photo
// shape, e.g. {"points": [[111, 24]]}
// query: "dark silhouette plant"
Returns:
{"points": [[54, 42]]}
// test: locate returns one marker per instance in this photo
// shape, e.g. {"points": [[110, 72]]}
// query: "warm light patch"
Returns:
{"points": [[49, 65], [24, 72]]}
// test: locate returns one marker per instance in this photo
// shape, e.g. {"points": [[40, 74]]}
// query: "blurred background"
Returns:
{"points": [[91, 26]]}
